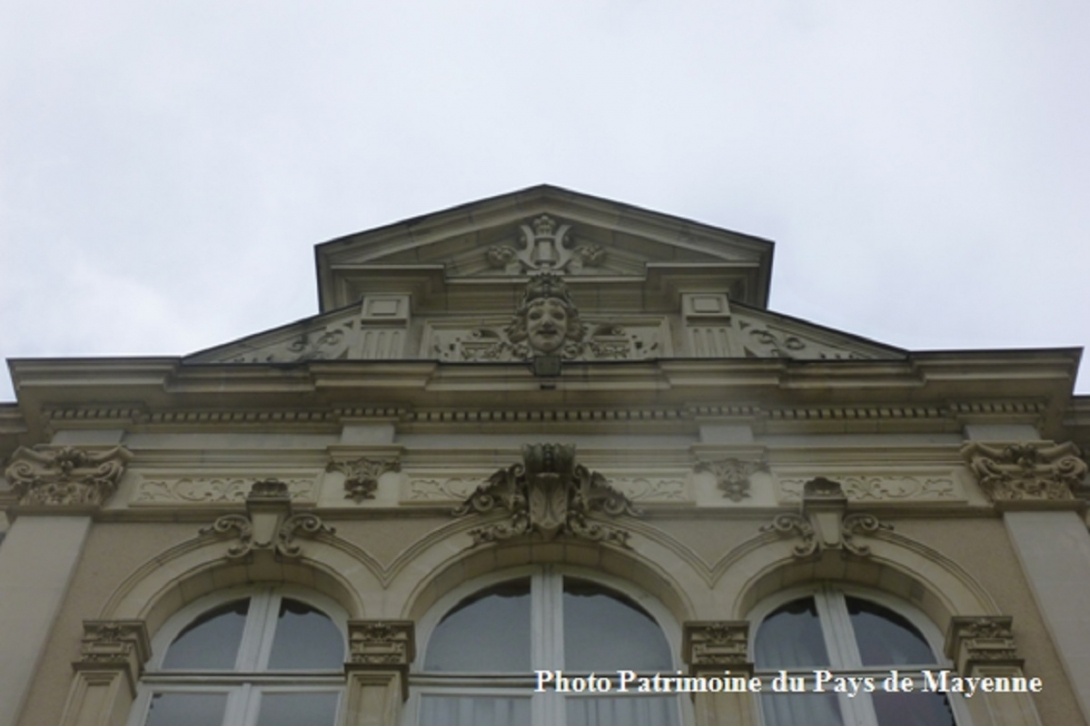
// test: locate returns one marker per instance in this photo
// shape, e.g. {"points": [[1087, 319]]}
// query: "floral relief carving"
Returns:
{"points": [[431, 489], [548, 494], [211, 489], [651, 489], [716, 644], [361, 475], [544, 246], [881, 487], [1026, 471], [268, 525], [732, 475], [792, 524], [66, 476]]}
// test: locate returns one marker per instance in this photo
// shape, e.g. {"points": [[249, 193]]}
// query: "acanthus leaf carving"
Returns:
{"points": [[973, 640], [732, 475], [66, 476], [548, 494], [1026, 470], [122, 645], [361, 476]]}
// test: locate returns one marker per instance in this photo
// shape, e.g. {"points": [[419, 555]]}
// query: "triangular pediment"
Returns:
{"points": [[541, 229], [619, 283]]}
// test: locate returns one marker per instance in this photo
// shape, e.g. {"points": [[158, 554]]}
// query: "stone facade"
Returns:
{"points": [[537, 384]]}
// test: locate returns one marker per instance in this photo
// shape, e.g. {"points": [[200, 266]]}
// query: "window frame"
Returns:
{"points": [[250, 677], [843, 652], [546, 642]]}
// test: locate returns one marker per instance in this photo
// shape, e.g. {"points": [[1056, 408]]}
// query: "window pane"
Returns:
{"points": [[604, 630], [915, 708], [186, 708], [211, 641], [886, 638], [801, 709], [299, 708], [489, 632], [790, 637], [305, 639], [621, 710], [475, 710]]}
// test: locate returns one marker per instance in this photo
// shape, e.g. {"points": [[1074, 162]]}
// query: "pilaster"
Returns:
{"points": [[1033, 484], [57, 490], [712, 648], [112, 654], [983, 646], [377, 671]]}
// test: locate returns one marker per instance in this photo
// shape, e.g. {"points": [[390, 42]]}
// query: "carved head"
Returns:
{"points": [[547, 317]]}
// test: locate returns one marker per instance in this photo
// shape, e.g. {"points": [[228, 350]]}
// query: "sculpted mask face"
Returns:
{"points": [[546, 324]]}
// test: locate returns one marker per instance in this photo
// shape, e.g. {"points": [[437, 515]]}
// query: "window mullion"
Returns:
{"points": [[253, 653]]}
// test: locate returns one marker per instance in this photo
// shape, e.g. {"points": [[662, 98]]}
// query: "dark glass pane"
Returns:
{"points": [[211, 641], [487, 632], [301, 708], [915, 708], [791, 636], [305, 639], [605, 630], [445, 709], [621, 710], [790, 709], [186, 708], [886, 638]]}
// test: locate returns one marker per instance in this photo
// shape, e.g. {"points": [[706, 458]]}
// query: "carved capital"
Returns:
{"points": [[66, 477], [361, 475], [824, 522], [1027, 471], [973, 640], [732, 475], [548, 494], [114, 645], [378, 645], [268, 525], [716, 645]]}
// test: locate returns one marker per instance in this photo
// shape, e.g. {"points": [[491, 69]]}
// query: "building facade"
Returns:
{"points": [[546, 458]]}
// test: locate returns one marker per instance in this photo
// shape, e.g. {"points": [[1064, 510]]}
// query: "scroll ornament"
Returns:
{"points": [[548, 494], [268, 525], [66, 476], [1026, 471]]}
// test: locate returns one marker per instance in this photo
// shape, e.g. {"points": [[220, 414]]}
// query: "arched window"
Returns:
{"points": [[485, 647], [843, 634], [266, 656]]}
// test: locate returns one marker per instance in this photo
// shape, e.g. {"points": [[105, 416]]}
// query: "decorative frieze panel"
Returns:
{"points": [[892, 487], [548, 494], [1026, 471], [156, 489], [66, 477], [426, 488], [321, 343], [761, 338]]}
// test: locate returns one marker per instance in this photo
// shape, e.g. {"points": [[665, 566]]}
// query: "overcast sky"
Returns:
{"points": [[167, 167]]}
